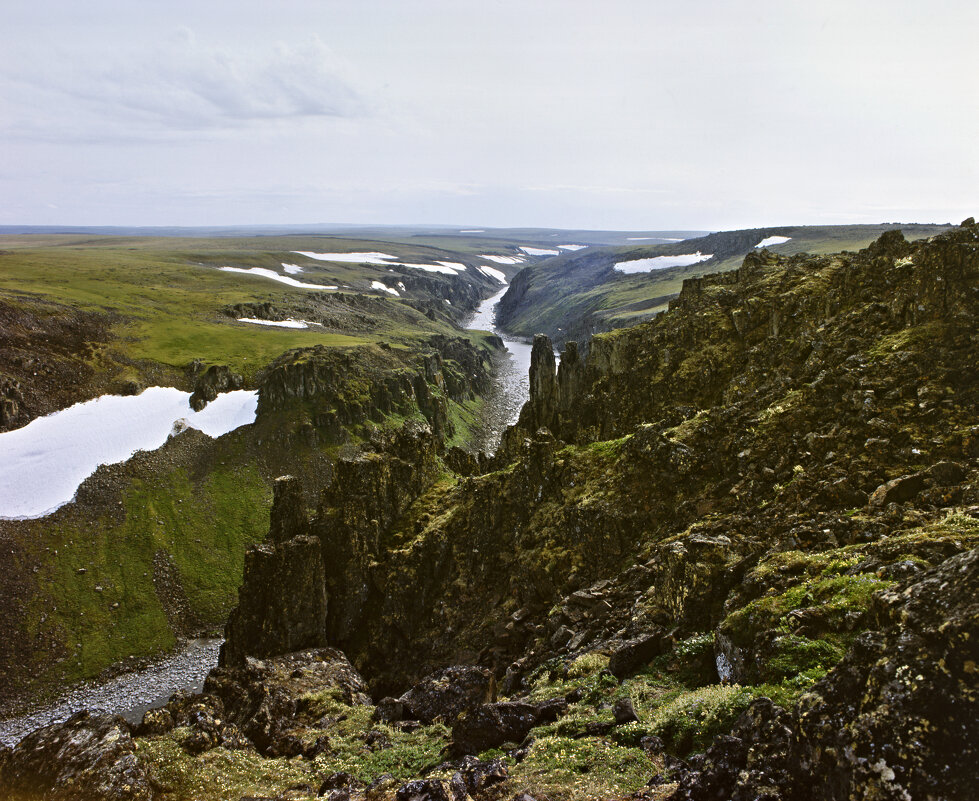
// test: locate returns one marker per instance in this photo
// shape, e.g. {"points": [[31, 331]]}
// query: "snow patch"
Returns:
{"points": [[492, 272], [45, 461], [540, 251], [290, 323], [473, 231], [384, 288], [661, 262], [292, 269], [572, 247], [768, 241], [350, 258], [444, 267], [274, 276], [503, 259]]}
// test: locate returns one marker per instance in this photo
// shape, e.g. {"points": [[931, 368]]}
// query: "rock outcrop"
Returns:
{"points": [[216, 379], [87, 758]]}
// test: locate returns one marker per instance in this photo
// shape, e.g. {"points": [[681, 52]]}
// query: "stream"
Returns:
{"points": [[132, 694], [511, 387]]}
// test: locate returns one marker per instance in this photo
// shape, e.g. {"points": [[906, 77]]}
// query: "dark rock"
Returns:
{"points": [[445, 695], [217, 379], [624, 712], [898, 490], [491, 725], [283, 603], [899, 717], [477, 776], [89, 757], [339, 781], [423, 790], [288, 515], [389, 710], [634, 654]]}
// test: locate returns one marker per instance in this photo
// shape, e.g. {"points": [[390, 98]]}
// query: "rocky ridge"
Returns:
{"points": [[732, 549]]}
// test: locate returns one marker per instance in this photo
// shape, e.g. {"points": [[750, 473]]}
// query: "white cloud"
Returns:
{"points": [[181, 84]]}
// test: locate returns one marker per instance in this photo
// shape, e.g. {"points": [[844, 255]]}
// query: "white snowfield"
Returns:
{"points": [[385, 288], [351, 258], [290, 323], [540, 251], [274, 276], [445, 267], [492, 272], [572, 247], [43, 463], [384, 260], [503, 259], [473, 231], [661, 262], [768, 241], [292, 269]]}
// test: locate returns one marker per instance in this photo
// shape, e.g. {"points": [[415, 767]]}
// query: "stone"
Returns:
{"points": [[89, 757], [423, 790], [491, 725], [632, 655], [445, 695], [624, 712]]}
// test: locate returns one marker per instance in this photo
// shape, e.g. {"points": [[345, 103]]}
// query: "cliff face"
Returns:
{"points": [[765, 486]]}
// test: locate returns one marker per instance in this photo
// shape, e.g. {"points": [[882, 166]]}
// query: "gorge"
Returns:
{"points": [[730, 549]]}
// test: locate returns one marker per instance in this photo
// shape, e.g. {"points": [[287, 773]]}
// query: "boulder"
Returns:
{"points": [[491, 725], [445, 695], [89, 757]]}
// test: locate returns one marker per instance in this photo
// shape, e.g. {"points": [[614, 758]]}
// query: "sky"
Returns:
{"points": [[607, 114]]}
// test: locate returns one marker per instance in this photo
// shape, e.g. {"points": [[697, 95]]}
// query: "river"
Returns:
{"points": [[511, 379]]}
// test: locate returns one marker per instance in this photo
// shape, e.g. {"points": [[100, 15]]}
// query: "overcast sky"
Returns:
{"points": [[619, 114]]}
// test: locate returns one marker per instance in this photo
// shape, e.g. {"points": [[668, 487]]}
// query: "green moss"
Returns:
{"points": [[835, 596], [794, 655], [218, 774], [562, 767], [97, 601]]}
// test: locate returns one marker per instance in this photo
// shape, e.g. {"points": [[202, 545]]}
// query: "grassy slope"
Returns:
{"points": [[168, 302]]}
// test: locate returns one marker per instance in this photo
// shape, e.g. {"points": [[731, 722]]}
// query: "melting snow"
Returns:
{"points": [[290, 323], [384, 288], [661, 262], [353, 258], [773, 240], [503, 259], [46, 460], [572, 247], [492, 272], [539, 251], [473, 231], [271, 274], [445, 267], [292, 269]]}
